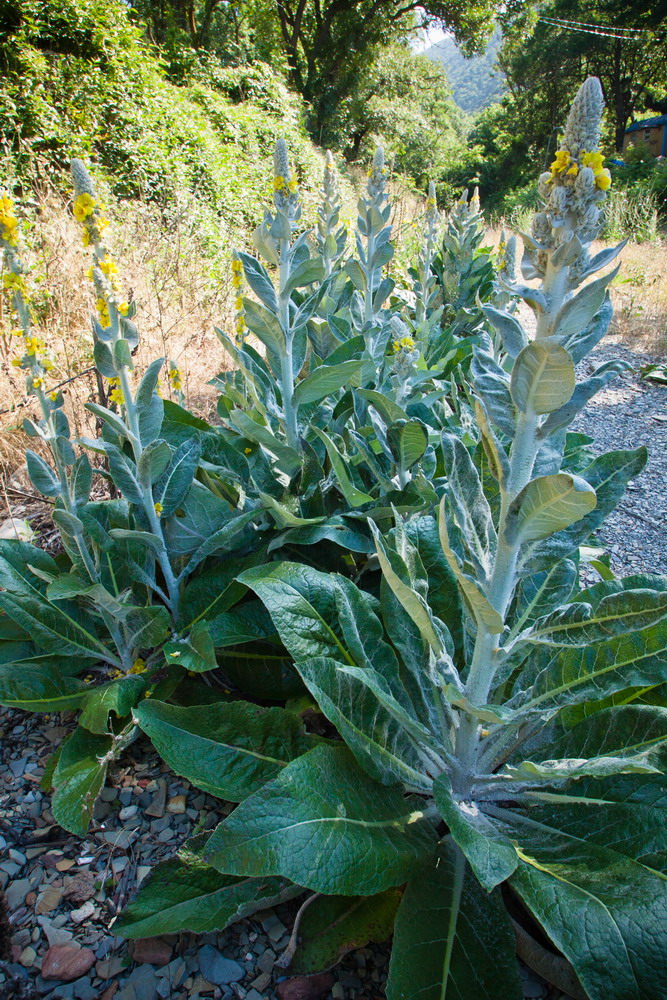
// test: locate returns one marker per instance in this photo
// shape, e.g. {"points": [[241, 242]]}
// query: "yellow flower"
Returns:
{"points": [[240, 324], [89, 273], [102, 223], [239, 302], [116, 396], [563, 159], [14, 282], [158, 508], [34, 344], [384, 171], [247, 451], [237, 267], [47, 364], [138, 666], [369, 173], [115, 672], [38, 383], [108, 268], [405, 343], [594, 161], [53, 396], [278, 182], [16, 362], [84, 205], [17, 332], [6, 205], [123, 308], [574, 170], [293, 185], [430, 203], [85, 238], [603, 179]]}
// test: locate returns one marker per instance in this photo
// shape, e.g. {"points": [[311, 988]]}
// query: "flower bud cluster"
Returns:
{"points": [[285, 186], [574, 186], [377, 177]]}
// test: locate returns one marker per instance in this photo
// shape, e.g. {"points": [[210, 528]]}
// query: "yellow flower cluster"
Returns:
{"points": [[138, 666], [237, 274], [158, 508], [8, 220], [116, 394], [281, 183], [84, 205], [33, 345], [175, 378], [85, 210], [564, 164], [14, 282], [602, 175], [38, 383], [404, 344], [103, 312], [430, 202]]}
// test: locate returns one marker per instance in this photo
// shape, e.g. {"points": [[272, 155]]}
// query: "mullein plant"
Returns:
{"points": [[501, 751], [119, 615]]}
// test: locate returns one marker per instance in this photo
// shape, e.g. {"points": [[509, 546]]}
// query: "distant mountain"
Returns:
{"points": [[476, 84]]}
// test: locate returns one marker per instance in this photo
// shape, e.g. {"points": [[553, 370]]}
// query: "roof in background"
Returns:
{"points": [[648, 123]]}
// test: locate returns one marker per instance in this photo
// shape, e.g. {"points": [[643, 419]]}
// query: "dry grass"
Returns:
{"points": [[181, 296]]}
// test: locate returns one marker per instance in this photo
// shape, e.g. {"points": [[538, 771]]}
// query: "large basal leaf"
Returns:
{"points": [[119, 697], [40, 688], [489, 852], [16, 558], [186, 894], [78, 778], [543, 377], [147, 627], [194, 651], [324, 824], [334, 925], [452, 940], [377, 730], [229, 749], [605, 912], [53, 629]]}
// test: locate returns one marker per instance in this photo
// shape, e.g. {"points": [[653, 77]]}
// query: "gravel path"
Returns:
{"points": [[630, 412], [63, 892]]}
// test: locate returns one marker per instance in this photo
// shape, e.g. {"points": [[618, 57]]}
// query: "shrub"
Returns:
{"points": [[499, 733]]}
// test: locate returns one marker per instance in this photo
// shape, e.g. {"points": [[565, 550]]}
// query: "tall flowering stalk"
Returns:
{"points": [[116, 336], [427, 281], [71, 488], [330, 234]]}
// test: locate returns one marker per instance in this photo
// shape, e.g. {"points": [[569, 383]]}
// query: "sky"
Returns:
{"points": [[426, 38]]}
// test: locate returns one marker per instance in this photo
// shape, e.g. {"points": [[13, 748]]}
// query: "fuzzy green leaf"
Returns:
{"points": [[324, 824], [78, 779]]}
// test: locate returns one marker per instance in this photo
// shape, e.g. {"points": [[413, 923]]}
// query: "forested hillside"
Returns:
{"points": [[476, 82]]}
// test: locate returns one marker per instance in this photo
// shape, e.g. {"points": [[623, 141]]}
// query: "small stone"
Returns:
{"points": [[143, 982], [54, 935], [177, 804], [154, 950], [109, 992], [201, 985], [83, 913], [127, 812], [16, 892], [254, 995], [27, 957], [142, 872], [17, 767], [261, 982], [17, 856], [266, 961], [84, 990], [338, 992], [81, 888], [306, 987], [108, 794], [276, 931], [65, 864], [110, 967], [165, 836], [159, 801], [63, 961], [49, 900], [218, 969]]}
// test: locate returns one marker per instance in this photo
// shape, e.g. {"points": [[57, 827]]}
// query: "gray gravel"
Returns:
{"points": [[630, 412]]}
